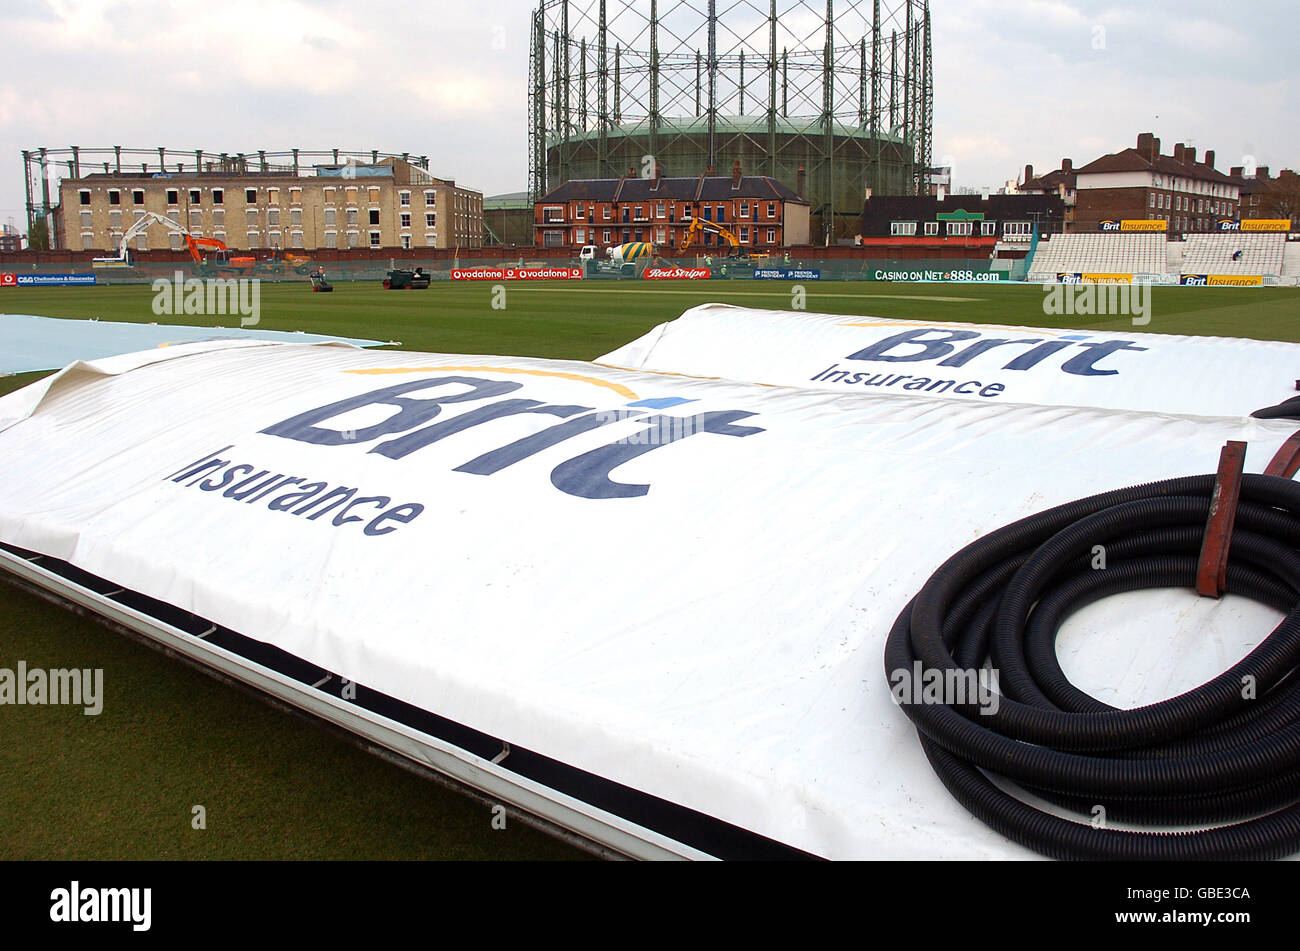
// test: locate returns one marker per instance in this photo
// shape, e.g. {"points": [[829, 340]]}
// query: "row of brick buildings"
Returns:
{"points": [[393, 203], [759, 211], [1179, 193]]}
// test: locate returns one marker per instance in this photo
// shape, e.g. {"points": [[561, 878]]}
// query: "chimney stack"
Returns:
{"points": [[1067, 165], [1147, 146], [1236, 171], [1179, 150], [735, 176], [1189, 154], [1261, 172], [1209, 157], [1029, 173], [799, 180]]}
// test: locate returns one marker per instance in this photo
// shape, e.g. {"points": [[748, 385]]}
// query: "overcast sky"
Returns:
{"points": [[1016, 81]]}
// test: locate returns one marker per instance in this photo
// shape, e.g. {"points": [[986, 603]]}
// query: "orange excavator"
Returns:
{"points": [[223, 261]]}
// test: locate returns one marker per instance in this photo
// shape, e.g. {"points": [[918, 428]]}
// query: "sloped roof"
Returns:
{"points": [[1051, 181], [1131, 160], [713, 188]]}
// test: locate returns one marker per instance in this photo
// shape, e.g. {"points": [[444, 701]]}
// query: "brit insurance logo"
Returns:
{"points": [[980, 363], [413, 421]]}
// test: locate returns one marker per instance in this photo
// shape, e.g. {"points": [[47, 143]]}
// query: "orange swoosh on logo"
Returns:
{"points": [[950, 323], [594, 381]]}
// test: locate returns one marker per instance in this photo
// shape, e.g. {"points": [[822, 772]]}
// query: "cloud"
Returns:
{"points": [[1016, 81]]}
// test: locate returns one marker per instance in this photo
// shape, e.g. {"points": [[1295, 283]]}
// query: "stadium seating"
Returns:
{"points": [[1214, 254], [1291, 262], [1099, 253]]}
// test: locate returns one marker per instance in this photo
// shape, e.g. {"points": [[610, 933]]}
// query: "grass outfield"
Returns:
{"points": [[122, 785]]}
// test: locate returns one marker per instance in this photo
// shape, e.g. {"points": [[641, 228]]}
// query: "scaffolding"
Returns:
{"points": [[831, 98]]}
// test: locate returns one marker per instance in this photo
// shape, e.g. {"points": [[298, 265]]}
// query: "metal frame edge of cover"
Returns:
{"points": [[588, 827]]}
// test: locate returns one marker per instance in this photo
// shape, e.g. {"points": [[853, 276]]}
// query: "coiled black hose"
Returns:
{"points": [[1287, 409], [1224, 755]]}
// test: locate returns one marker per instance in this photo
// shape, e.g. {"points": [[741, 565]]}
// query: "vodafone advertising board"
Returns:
{"points": [[8, 280], [517, 274]]}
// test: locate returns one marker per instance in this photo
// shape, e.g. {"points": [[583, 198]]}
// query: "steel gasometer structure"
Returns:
{"points": [[830, 97]]}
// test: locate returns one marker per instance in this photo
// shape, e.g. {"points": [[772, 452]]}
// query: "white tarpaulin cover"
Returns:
{"points": [[680, 585], [46, 343], [1159, 373]]}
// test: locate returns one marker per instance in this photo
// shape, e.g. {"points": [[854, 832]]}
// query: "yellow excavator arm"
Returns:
{"points": [[699, 225]]}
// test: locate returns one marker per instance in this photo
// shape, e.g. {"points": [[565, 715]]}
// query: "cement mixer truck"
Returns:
{"points": [[619, 257]]}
